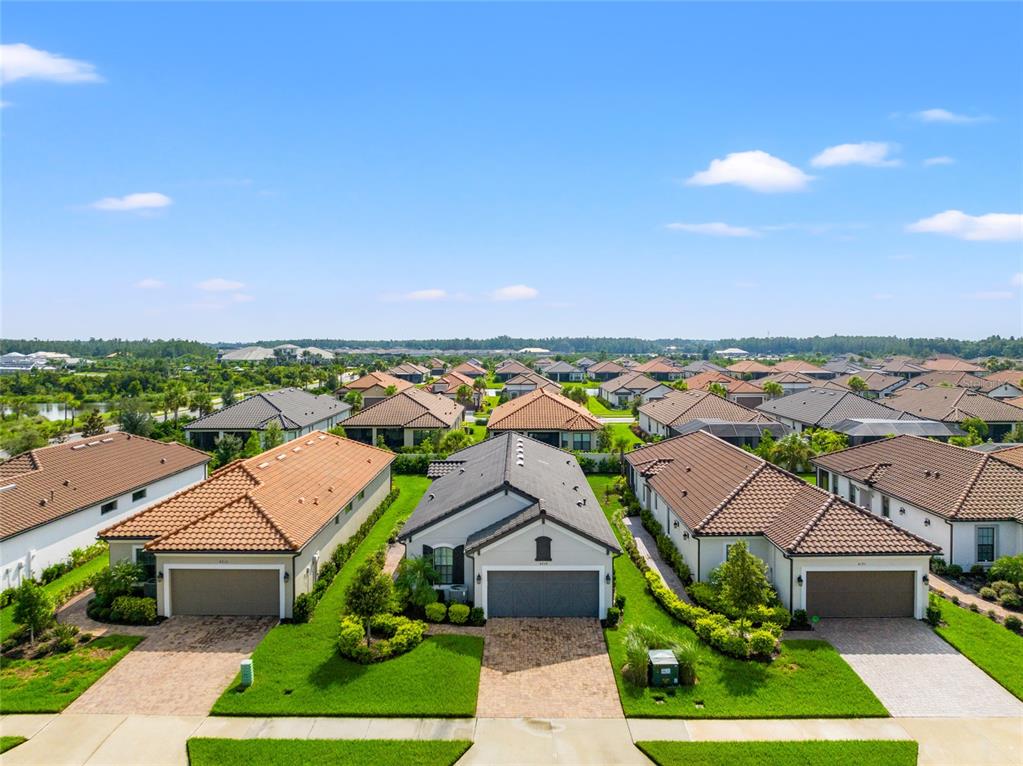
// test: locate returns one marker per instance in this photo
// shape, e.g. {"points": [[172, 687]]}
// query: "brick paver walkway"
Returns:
{"points": [[966, 598], [648, 549], [546, 668], [395, 553], [180, 669], [914, 672]]}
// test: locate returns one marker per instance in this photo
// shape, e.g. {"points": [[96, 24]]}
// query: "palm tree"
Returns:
{"points": [[792, 452], [619, 445], [773, 389], [718, 390]]}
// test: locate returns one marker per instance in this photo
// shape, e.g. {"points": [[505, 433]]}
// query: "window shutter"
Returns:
{"points": [[458, 571], [428, 553]]}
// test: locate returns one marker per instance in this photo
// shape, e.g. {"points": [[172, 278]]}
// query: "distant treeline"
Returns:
{"points": [[97, 347]]}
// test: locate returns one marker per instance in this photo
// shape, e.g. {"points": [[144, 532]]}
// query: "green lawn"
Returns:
{"points": [[622, 429], [6, 743], [809, 478], [599, 409], [990, 646], [479, 433], [804, 753], [51, 684], [75, 576], [808, 679], [299, 672], [288, 752]]}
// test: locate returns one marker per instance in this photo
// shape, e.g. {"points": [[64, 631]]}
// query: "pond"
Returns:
{"points": [[55, 410]]}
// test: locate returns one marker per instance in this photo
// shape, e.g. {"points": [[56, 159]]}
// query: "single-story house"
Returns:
{"points": [[585, 364], [542, 363], [663, 416], [405, 419], [822, 553], [297, 412], [410, 371], [863, 430], [822, 407], [527, 382], [952, 364], [512, 525], [803, 367], [996, 389], [659, 368], [843, 364], [744, 392], [605, 370], [56, 499], [739, 433], [374, 387], [879, 385], [548, 417], [563, 372], [1011, 454], [749, 369], [701, 365], [470, 369], [509, 368], [626, 362], [252, 537], [954, 405], [626, 388], [449, 383], [437, 367], [968, 503], [790, 382], [1015, 377], [903, 367]]}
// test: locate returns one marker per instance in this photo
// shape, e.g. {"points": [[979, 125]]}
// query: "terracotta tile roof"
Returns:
{"points": [[703, 379], [411, 408], [702, 366], [956, 380], [796, 365], [511, 367], [719, 489], [682, 406], [276, 501], [876, 381], [902, 365], [951, 365], [1007, 376], [1012, 455], [371, 379], [659, 364], [789, 377], [631, 381], [542, 410], [606, 367], [436, 364], [953, 405], [949, 481], [408, 368], [539, 381], [48, 483], [450, 382], [821, 406], [1016, 401], [470, 369], [747, 366]]}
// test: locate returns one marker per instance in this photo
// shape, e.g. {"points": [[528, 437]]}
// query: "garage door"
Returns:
{"points": [[225, 591], [543, 594], [860, 594]]}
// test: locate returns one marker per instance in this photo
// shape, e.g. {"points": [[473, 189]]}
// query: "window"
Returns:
{"points": [[543, 549], [337, 519], [147, 561], [822, 479], [348, 508], [108, 507], [444, 563], [137, 495], [581, 441], [985, 543], [728, 547], [885, 508], [362, 494], [852, 492]]}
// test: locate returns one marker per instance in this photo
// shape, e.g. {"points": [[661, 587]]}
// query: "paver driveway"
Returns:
{"points": [[180, 669], [914, 672], [546, 668]]}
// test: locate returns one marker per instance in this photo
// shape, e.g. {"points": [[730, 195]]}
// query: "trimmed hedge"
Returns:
{"points": [[134, 610], [709, 597], [669, 552], [402, 635]]}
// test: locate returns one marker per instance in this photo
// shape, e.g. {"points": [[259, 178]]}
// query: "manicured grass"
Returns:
{"points": [[990, 646], [804, 753], [287, 752], [74, 577], [299, 672], [808, 679], [622, 429], [479, 433], [6, 743], [601, 410], [50, 684], [809, 478]]}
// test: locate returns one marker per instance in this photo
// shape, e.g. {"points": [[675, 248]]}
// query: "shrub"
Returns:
{"points": [[1007, 568], [65, 637], [933, 609], [620, 602], [134, 610], [938, 565], [800, 620], [761, 643], [399, 635], [635, 670], [117, 580], [458, 614], [413, 462], [955, 600], [476, 617], [7, 597], [954, 571], [614, 616], [1012, 622], [437, 611], [481, 421], [1011, 600], [32, 608], [974, 607], [52, 572], [1001, 587], [977, 570], [988, 594], [992, 614], [303, 608]]}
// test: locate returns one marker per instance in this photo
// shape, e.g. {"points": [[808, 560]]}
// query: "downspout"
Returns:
{"points": [[951, 540], [791, 583], [697, 558]]}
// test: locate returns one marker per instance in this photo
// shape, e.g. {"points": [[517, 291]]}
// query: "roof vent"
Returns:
{"points": [[576, 487], [163, 460], [66, 483], [321, 437], [937, 474], [281, 457], [108, 439], [685, 493], [520, 463], [431, 496], [94, 443], [264, 464], [310, 443], [79, 446], [330, 488], [301, 500], [43, 502], [296, 449], [927, 473]]}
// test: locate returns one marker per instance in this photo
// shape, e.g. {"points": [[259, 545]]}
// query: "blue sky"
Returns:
{"points": [[241, 171]]}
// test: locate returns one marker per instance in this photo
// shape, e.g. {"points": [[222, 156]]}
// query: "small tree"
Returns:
{"points": [[718, 390], [620, 445], [134, 418], [453, 441], [229, 448], [823, 441], [369, 594], [680, 385], [1017, 433], [857, 384], [32, 608], [415, 580], [202, 402], [743, 579], [976, 425], [23, 439], [354, 398], [391, 390], [272, 435], [252, 446], [605, 438], [463, 395], [227, 397], [792, 452], [93, 425]]}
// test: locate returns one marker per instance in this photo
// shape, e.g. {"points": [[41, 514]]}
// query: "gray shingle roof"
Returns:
{"points": [[825, 407], [561, 367], [549, 477], [290, 407]]}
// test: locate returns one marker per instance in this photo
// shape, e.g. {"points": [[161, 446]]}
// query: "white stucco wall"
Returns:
{"points": [[27, 554]]}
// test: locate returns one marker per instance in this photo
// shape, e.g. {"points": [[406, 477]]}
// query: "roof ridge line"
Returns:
{"points": [[794, 543], [197, 519], [273, 522], [970, 484], [731, 496]]}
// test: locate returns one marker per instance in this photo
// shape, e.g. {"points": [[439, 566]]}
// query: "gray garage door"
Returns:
{"points": [[860, 594], [225, 591], [543, 594]]}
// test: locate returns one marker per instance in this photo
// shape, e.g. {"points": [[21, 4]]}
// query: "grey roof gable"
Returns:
{"points": [[827, 406], [549, 477], [290, 407]]}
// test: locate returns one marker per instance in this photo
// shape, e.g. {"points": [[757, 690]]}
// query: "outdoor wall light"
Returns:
{"points": [[685, 535], [902, 511], [926, 578], [799, 580], [159, 575], [927, 522], [607, 578], [479, 579], [676, 524], [287, 577]]}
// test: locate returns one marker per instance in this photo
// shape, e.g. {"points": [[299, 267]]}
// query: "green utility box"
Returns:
{"points": [[662, 667]]}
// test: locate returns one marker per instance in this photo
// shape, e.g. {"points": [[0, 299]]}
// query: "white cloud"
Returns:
{"points": [[942, 160], [514, 293], [756, 170], [150, 284], [716, 229], [131, 202], [990, 295], [955, 223], [1017, 279], [943, 115], [871, 153], [430, 294], [218, 285], [19, 61]]}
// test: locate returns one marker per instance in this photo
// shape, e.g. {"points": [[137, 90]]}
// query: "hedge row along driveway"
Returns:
{"points": [[298, 670]]}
